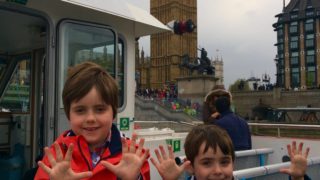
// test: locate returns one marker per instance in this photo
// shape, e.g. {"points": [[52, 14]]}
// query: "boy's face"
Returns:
{"points": [[92, 118], [212, 166]]}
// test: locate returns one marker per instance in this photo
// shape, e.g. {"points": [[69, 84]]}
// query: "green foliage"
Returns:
{"points": [[236, 86]]}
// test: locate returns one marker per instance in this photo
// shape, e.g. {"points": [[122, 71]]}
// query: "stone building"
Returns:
{"points": [[218, 65], [142, 65], [168, 48], [298, 45]]}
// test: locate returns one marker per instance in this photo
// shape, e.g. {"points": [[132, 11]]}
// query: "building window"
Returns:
{"points": [[280, 47], [295, 77], [280, 40], [309, 25], [294, 42], [280, 32], [281, 77], [281, 62], [311, 76], [310, 40], [310, 58], [293, 27], [294, 16], [294, 59], [309, 13]]}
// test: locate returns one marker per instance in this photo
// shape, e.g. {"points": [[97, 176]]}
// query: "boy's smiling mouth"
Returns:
{"points": [[90, 128]]}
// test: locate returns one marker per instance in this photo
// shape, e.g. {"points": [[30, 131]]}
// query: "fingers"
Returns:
{"points": [[163, 152], [124, 145], [285, 171], [300, 148], [83, 175], [59, 155], [170, 150], [109, 166], [132, 147], [154, 162], [294, 147], [69, 153], [293, 150], [159, 157], [51, 159], [306, 153], [44, 167], [145, 155], [185, 165], [140, 147]]}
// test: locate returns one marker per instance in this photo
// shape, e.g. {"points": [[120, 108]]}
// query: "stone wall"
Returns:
{"points": [[244, 101], [195, 88]]}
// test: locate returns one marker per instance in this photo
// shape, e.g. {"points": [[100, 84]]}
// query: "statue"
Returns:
{"points": [[202, 64]]}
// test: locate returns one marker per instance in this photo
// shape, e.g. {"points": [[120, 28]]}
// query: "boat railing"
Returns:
{"points": [[273, 171], [252, 158]]}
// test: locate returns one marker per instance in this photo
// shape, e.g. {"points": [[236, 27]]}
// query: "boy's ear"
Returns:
{"points": [[189, 168]]}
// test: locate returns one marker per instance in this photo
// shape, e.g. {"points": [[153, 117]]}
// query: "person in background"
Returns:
{"points": [[237, 128], [209, 111], [93, 148]]}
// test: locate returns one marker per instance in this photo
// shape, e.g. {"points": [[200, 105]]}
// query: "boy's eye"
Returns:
{"points": [[206, 163], [225, 161], [101, 108], [79, 110]]}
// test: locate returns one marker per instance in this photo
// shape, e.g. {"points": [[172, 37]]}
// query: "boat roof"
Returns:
{"points": [[120, 11], [145, 23]]}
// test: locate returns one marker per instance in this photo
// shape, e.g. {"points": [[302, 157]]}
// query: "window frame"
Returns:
{"points": [[61, 75]]}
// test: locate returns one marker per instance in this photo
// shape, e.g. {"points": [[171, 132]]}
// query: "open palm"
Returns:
{"points": [[166, 165], [132, 160], [60, 167], [298, 164]]}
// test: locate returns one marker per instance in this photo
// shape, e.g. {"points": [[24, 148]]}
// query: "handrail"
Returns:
{"points": [[273, 125], [175, 122], [269, 169], [253, 152], [285, 125], [279, 126], [250, 124]]}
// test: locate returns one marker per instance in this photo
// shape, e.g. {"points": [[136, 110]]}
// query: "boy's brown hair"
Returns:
{"points": [[82, 78], [213, 136]]}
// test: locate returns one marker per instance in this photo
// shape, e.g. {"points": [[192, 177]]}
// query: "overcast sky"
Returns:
{"points": [[242, 32]]}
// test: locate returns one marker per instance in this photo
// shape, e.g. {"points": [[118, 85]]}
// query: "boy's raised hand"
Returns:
{"points": [[167, 167], [60, 167], [298, 159], [132, 160]]}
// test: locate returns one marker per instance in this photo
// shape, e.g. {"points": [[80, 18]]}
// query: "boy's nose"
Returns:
{"points": [[216, 170], [91, 117]]}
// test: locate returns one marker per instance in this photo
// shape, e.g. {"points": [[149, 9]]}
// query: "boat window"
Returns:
{"points": [[79, 42], [3, 66], [16, 97]]}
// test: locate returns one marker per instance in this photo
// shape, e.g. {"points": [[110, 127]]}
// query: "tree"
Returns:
{"points": [[239, 85]]}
